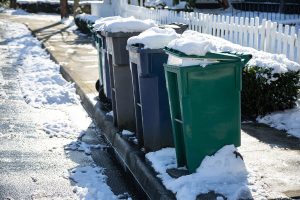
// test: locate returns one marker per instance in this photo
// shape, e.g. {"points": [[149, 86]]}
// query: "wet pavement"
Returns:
{"points": [[34, 165]]}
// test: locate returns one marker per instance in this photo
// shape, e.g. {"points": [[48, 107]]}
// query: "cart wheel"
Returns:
{"points": [[102, 96], [97, 85], [105, 101]]}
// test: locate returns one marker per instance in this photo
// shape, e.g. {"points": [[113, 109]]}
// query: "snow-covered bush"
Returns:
{"points": [[265, 92], [84, 22]]}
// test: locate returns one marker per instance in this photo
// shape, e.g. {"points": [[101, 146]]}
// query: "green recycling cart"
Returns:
{"points": [[205, 103]]}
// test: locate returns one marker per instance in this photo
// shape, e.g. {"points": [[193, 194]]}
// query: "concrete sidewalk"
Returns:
{"points": [[271, 153]]}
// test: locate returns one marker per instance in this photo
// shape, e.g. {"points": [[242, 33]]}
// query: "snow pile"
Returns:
{"points": [[154, 38], [288, 120], [91, 183], [125, 25], [40, 79], [195, 43], [87, 17], [224, 173]]}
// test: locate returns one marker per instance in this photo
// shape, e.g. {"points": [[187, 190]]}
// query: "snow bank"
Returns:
{"points": [[91, 183], [126, 25], [195, 43], [87, 17], [288, 120], [40, 80], [225, 173], [154, 38]]}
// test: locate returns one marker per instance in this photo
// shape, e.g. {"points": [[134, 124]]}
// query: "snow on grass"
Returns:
{"points": [[15, 12], [288, 120], [154, 38], [90, 183], [195, 43], [224, 173], [36, 16]]}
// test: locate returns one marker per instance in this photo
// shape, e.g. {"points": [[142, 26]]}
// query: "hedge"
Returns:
{"points": [[265, 92], [84, 22]]}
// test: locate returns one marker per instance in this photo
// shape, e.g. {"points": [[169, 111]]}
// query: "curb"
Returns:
{"points": [[129, 156]]}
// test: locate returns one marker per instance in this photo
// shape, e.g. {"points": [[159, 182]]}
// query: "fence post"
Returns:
{"points": [[279, 38], [292, 43], [262, 35], [256, 32], [226, 36], [272, 37], [285, 39], [268, 36]]}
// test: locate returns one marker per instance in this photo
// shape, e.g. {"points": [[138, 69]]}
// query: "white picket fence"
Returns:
{"points": [[265, 35]]}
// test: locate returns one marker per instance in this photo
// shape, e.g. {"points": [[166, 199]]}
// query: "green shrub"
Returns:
{"points": [[83, 25], [264, 92]]}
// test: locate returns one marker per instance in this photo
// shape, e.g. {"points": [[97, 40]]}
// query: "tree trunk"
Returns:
{"points": [[13, 4], [76, 8], [64, 9]]}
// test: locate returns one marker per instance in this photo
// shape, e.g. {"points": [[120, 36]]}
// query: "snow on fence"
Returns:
{"points": [[265, 35]]}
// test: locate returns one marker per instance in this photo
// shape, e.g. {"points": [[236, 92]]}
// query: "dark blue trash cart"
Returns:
{"points": [[153, 121]]}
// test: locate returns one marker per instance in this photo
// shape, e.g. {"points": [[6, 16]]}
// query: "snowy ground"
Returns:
{"points": [[288, 120], [225, 173], [38, 74], [45, 89]]}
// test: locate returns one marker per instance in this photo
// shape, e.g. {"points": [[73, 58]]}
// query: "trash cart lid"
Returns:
{"points": [[179, 58], [217, 56]]}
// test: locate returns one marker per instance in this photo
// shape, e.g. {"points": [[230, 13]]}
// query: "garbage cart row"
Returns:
{"points": [[195, 108]]}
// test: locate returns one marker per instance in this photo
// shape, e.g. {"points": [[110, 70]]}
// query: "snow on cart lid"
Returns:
{"points": [[195, 43], [127, 25], [100, 23], [154, 38]]}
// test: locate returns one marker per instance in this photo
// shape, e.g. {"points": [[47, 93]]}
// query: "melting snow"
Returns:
{"points": [[288, 120], [90, 183], [223, 173], [44, 88]]}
